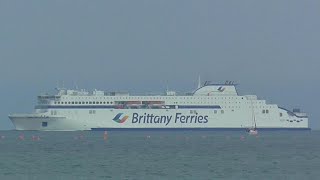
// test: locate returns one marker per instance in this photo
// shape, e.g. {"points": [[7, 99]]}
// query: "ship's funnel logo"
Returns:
{"points": [[120, 120], [221, 89]]}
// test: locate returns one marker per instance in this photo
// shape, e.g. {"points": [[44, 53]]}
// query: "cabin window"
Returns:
{"points": [[215, 111], [92, 111], [222, 111], [280, 114], [263, 111], [267, 111], [44, 124]]}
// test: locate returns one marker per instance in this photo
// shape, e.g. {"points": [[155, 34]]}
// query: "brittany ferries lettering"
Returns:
{"points": [[179, 118]]}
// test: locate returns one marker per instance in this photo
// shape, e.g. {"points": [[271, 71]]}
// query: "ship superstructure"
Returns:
{"points": [[211, 106]]}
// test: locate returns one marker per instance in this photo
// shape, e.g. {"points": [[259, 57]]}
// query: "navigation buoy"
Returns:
{"points": [[35, 138], [78, 137], [81, 136], [21, 137], [242, 138], [105, 135]]}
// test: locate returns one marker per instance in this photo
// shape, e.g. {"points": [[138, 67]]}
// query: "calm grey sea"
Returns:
{"points": [[160, 155]]}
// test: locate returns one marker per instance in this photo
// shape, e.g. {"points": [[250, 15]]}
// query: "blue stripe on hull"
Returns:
{"points": [[198, 129]]}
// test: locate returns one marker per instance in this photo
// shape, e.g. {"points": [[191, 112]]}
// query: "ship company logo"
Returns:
{"points": [[221, 89], [118, 118]]}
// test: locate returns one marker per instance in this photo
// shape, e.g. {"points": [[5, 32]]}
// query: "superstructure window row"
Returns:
{"points": [[83, 102]]}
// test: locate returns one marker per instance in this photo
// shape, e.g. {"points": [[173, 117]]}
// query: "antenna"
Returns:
{"points": [[58, 86], [75, 85], [199, 82], [167, 86]]}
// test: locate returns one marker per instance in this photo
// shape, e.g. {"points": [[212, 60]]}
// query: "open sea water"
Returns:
{"points": [[159, 155]]}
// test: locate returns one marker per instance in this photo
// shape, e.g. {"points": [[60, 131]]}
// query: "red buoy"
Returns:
{"points": [[105, 135]]}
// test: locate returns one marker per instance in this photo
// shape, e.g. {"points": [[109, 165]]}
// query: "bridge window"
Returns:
{"points": [[267, 111], [280, 114]]}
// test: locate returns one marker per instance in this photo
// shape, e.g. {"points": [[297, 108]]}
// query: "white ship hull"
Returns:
{"points": [[103, 119], [211, 106]]}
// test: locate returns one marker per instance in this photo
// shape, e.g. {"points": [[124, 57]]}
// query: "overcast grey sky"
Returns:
{"points": [[272, 48]]}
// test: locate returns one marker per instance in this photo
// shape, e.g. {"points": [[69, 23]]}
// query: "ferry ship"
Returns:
{"points": [[209, 107]]}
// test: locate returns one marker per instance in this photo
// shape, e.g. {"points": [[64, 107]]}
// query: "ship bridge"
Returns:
{"points": [[227, 89]]}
